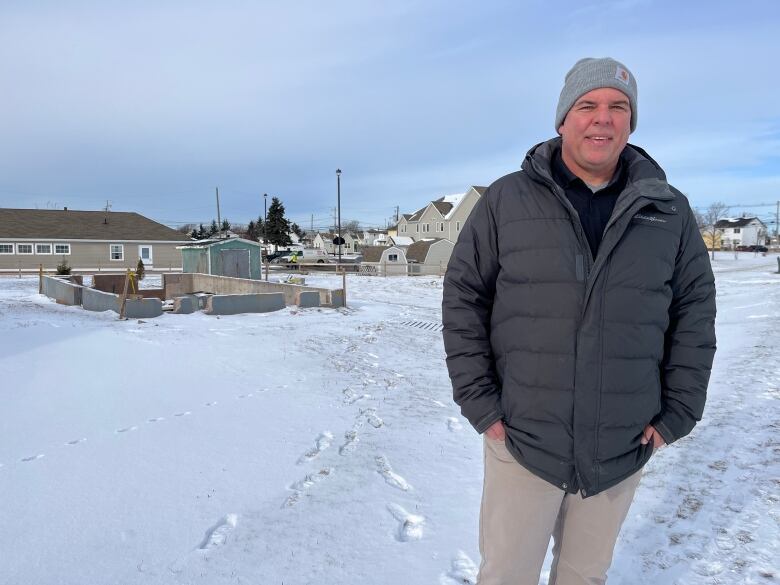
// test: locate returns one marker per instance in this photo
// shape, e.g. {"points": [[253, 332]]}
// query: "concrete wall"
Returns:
{"points": [[245, 303], [95, 300], [63, 292], [177, 285]]}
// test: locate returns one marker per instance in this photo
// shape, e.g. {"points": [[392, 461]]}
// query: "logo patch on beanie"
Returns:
{"points": [[622, 75]]}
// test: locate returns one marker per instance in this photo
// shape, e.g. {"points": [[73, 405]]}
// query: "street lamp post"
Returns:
{"points": [[338, 205], [265, 219]]}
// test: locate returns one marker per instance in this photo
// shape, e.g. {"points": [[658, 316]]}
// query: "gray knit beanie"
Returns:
{"points": [[589, 74]]}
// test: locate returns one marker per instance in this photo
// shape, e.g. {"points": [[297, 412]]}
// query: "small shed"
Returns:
{"points": [[234, 257], [431, 252], [384, 260]]}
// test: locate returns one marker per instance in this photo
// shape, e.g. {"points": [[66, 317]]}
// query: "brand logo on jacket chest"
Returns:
{"points": [[649, 218]]}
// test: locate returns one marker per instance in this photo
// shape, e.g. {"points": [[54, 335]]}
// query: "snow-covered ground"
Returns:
{"points": [[322, 446]]}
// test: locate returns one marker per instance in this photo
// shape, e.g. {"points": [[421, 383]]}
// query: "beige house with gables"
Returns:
{"points": [[87, 240], [442, 218]]}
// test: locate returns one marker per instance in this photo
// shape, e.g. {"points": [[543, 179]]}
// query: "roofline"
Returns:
{"points": [[114, 241]]}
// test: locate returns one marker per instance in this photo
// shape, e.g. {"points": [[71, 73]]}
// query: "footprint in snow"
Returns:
{"points": [[211, 403], [322, 443], [127, 429], [392, 478], [410, 525], [300, 487], [76, 441], [453, 424], [217, 535], [33, 458], [462, 572], [350, 442], [372, 418], [185, 413], [244, 395], [154, 420]]}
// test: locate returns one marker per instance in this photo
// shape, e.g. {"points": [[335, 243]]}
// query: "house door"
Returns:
{"points": [[235, 263], [145, 254]]}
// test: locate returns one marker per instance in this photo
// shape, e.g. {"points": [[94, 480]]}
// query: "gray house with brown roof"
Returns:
{"points": [[442, 218], [87, 240]]}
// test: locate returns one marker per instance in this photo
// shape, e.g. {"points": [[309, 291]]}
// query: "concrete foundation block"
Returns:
{"points": [[337, 298], [95, 300], [143, 308], [185, 305], [62, 291], [308, 299], [251, 303]]}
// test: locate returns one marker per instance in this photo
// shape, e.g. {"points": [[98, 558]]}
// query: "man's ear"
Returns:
{"points": [[560, 129]]}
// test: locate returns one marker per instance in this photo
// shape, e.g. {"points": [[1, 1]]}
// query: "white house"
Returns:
{"points": [[324, 241], [741, 231], [374, 237]]}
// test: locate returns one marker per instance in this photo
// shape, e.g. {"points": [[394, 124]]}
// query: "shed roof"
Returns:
{"points": [[372, 253], [418, 251]]}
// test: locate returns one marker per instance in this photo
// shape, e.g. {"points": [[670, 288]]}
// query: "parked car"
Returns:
{"points": [[758, 249]]}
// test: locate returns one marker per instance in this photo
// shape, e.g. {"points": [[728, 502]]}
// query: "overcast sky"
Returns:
{"points": [[151, 105]]}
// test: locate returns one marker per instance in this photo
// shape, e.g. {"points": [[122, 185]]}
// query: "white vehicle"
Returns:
{"points": [[306, 256]]}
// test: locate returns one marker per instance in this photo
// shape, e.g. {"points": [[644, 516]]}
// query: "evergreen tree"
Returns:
{"points": [[201, 232], [140, 270], [260, 227], [213, 229], [194, 235], [296, 229], [277, 225], [225, 225], [251, 231]]}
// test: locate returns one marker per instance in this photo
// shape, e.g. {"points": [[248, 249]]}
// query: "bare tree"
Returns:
{"points": [[708, 219]]}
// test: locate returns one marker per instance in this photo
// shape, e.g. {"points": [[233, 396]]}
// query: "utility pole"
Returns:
{"points": [[396, 214], [219, 219], [265, 218], [777, 224], [338, 204]]}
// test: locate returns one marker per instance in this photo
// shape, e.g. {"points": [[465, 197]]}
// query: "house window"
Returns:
{"points": [[457, 226], [43, 248], [392, 257], [117, 252], [418, 228], [6, 248], [736, 230], [24, 248], [403, 229], [426, 227], [62, 249]]}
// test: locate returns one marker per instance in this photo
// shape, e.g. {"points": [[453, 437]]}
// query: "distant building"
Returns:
{"points": [[741, 231], [442, 218], [324, 241], [87, 240]]}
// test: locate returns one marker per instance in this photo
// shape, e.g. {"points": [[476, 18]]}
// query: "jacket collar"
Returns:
{"points": [[644, 174]]}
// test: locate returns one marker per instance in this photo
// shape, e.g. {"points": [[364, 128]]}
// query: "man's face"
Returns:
{"points": [[594, 133]]}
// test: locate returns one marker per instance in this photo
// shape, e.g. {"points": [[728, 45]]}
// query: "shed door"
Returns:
{"points": [[235, 263]]}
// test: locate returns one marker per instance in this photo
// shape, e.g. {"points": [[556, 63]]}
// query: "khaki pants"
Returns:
{"points": [[521, 511]]}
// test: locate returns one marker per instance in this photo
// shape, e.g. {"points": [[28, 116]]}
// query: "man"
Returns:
{"points": [[579, 309]]}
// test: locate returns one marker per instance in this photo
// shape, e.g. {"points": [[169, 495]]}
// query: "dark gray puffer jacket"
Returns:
{"points": [[577, 355]]}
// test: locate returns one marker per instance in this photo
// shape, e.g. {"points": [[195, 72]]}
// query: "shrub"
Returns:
{"points": [[63, 268]]}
